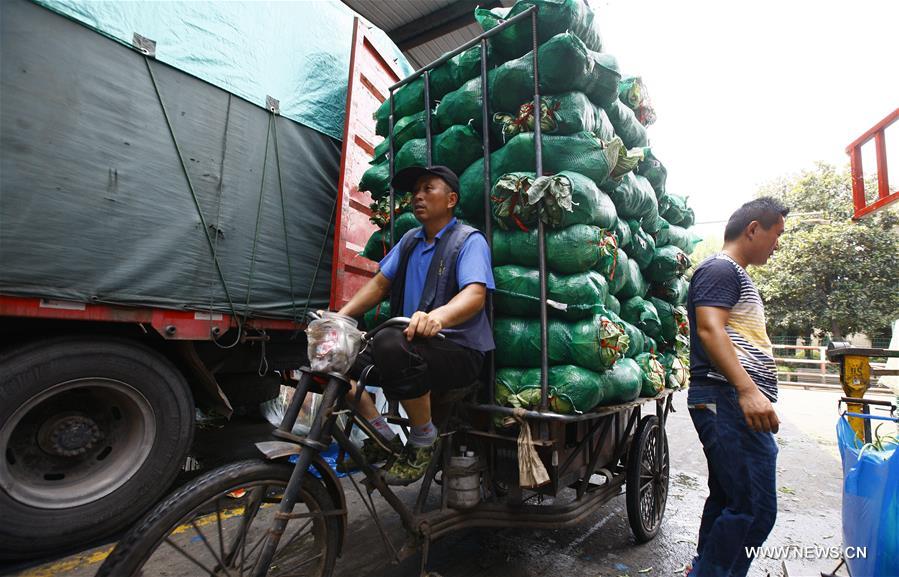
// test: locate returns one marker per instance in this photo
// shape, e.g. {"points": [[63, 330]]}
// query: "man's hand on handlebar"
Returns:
{"points": [[423, 324]]}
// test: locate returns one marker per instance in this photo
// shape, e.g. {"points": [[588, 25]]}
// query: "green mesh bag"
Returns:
{"points": [[633, 197], [634, 283], [636, 339], [612, 304], [626, 125], [642, 247], [667, 263], [555, 16], [673, 207], [570, 250], [672, 291], [642, 314], [569, 297], [628, 161], [379, 242], [594, 343], [568, 198], [664, 235], [444, 79], [565, 66], [618, 275], [623, 233], [519, 388], [649, 344], [674, 323], [567, 113], [582, 153], [633, 94], [407, 128], [380, 209], [653, 375], [654, 171], [376, 180], [622, 383], [456, 147], [677, 372], [377, 315], [573, 390], [509, 202], [682, 238], [608, 256]]}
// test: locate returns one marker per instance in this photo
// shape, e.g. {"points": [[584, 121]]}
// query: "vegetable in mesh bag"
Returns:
{"points": [[634, 284], [456, 147], [663, 237], [654, 171], [632, 92], [568, 198], [376, 180], [406, 128], [612, 304], [621, 383], [377, 315], [642, 314], [677, 371], [409, 99], [617, 276], [673, 291], [379, 242], [569, 297], [594, 343], [649, 344], [667, 263], [642, 247], [628, 161], [633, 197], [567, 113], [568, 251], [380, 209], [517, 387], [683, 238], [582, 153], [623, 233], [555, 16], [653, 381], [608, 256], [566, 65], [673, 208], [674, 323], [626, 124]]}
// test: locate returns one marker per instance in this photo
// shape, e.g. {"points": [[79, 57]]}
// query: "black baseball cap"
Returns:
{"points": [[404, 180]]}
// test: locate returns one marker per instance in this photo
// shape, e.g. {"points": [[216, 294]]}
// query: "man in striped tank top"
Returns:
{"points": [[732, 390]]}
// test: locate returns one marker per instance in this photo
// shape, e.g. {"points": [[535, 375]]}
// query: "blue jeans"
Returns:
{"points": [[742, 504]]}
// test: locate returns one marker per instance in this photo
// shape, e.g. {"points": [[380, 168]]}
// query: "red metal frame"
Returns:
{"points": [[854, 150], [371, 75]]}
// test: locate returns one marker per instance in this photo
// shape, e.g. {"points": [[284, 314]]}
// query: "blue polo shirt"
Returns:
{"points": [[473, 266]]}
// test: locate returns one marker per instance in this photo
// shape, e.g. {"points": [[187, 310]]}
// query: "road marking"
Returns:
{"points": [[82, 561]]}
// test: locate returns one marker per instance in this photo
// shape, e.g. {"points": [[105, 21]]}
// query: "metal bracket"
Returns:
{"points": [[273, 104], [144, 45]]}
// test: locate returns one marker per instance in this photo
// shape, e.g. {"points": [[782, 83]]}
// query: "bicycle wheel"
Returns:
{"points": [[217, 524]]}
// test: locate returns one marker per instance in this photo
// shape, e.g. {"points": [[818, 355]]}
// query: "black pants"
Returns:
{"points": [[408, 370]]}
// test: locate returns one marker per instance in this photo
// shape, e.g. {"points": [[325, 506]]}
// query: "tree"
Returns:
{"points": [[830, 274]]}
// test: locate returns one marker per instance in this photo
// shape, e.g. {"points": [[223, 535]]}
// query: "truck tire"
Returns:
{"points": [[93, 432]]}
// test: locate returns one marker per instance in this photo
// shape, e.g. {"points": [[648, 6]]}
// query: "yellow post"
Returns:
{"points": [[855, 377]]}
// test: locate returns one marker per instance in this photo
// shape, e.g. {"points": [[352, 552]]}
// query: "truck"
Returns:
{"points": [[164, 226]]}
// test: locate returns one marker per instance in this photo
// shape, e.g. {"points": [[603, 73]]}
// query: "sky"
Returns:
{"points": [[746, 92]]}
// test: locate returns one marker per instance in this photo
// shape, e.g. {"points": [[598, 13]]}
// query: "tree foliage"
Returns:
{"points": [[830, 273]]}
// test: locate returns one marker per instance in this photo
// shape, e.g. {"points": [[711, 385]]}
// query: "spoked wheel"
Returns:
{"points": [[647, 480], [217, 525]]}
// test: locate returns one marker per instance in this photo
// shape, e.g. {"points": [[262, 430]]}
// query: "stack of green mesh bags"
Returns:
{"points": [[617, 243]]}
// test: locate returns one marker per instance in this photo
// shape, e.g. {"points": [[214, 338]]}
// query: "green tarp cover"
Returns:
{"points": [[95, 204], [295, 52]]}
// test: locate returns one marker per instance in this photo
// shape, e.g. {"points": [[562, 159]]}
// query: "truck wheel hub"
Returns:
{"points": [[69, 435]]}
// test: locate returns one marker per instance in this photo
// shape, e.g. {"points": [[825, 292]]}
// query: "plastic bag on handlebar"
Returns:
{"points": [[334, 342]]}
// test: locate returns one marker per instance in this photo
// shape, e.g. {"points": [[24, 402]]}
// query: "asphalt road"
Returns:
{"points": [[809, 482]]}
